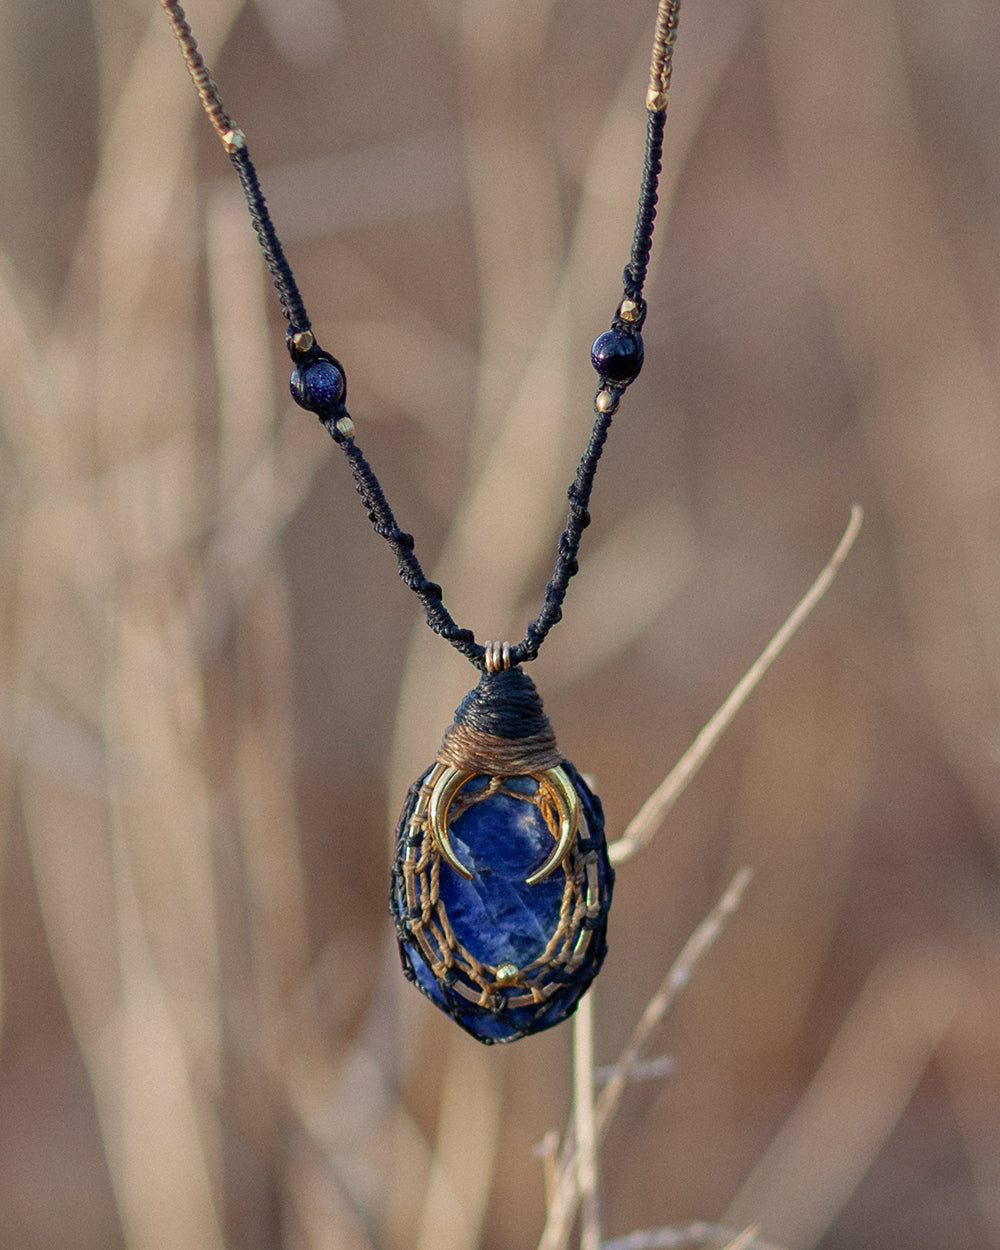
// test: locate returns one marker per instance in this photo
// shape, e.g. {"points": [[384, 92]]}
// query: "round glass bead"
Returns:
{"points": [[317, 385], [617, 356]]}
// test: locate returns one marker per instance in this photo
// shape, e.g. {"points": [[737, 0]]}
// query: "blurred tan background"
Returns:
{"points": [[215, 690]]}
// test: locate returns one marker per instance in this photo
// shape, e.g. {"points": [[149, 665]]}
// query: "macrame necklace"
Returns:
{"points": [[501, 881]]}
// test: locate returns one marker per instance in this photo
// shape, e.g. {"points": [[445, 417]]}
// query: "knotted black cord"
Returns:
{"points": [[270, 244], [327, 399], [569, 545], [634, 277], [384, 523]]}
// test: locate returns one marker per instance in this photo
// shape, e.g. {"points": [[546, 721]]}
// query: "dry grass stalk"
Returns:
{"points": [[585, 1125], [578, 1155], [566, 1195], [690, 1237], [650, 817]]}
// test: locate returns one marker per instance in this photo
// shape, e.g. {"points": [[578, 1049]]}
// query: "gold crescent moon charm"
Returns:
{"points": [[567, 801], [447, 785], [558, 789]]}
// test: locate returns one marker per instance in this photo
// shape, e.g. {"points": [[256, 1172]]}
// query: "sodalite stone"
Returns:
{"points": [[497, 917]]}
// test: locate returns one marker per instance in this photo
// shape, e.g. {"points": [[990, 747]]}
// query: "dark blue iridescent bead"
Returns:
{"points": [[318, 385], [617, 356]]}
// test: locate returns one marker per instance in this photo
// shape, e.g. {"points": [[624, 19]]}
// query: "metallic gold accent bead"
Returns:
{"points": [[345, 427], [234, 140], [607, 402], [656, 101], [507, 973], [303, 340], [629, 310]]}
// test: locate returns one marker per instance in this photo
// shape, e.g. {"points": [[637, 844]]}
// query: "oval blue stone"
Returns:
{"points": [[496, 917]]}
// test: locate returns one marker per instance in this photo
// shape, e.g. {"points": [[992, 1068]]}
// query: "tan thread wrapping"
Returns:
{"points": [[472, 751], [662, 62], [207, 90]]}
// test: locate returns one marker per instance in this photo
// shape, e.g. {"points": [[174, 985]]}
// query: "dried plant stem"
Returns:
{"points": [[672, 984], [566, 1195], [464, 1156], [548, 1149], [584, 1124], [650, 816], [692, 1235], [744, 1240]]}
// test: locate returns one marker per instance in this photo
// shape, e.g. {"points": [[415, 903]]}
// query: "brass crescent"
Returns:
{"points": [[560, 790], [567, 802], [448, 784]]}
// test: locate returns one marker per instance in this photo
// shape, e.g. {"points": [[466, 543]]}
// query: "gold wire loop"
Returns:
{"points": [[557, 789], [497, 656]]}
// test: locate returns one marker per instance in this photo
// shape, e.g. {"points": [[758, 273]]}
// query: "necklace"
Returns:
{"points": [[501, 882]]}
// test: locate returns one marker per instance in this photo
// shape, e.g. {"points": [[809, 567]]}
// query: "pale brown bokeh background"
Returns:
{"points": [[215, 690]]}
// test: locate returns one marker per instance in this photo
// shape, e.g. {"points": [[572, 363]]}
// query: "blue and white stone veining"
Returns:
{"points": [[497, 916]]}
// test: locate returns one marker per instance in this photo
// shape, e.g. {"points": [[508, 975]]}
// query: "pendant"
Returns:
{"points": [[501, 881]]}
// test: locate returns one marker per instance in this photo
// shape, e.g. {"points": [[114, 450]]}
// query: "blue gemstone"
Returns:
{"points": [[497, 917], [318, 385]]}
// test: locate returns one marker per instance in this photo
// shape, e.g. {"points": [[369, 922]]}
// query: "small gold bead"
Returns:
{"points": [[629, 310], [345, 427], [656, 101], [506, 973], [303, 341], [607, 402], [234, 140]]}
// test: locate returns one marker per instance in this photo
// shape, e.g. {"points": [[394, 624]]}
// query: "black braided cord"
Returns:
{"points": [[642, 241], [335, 418], [274, 255], [384, 524], [569, 545]]}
